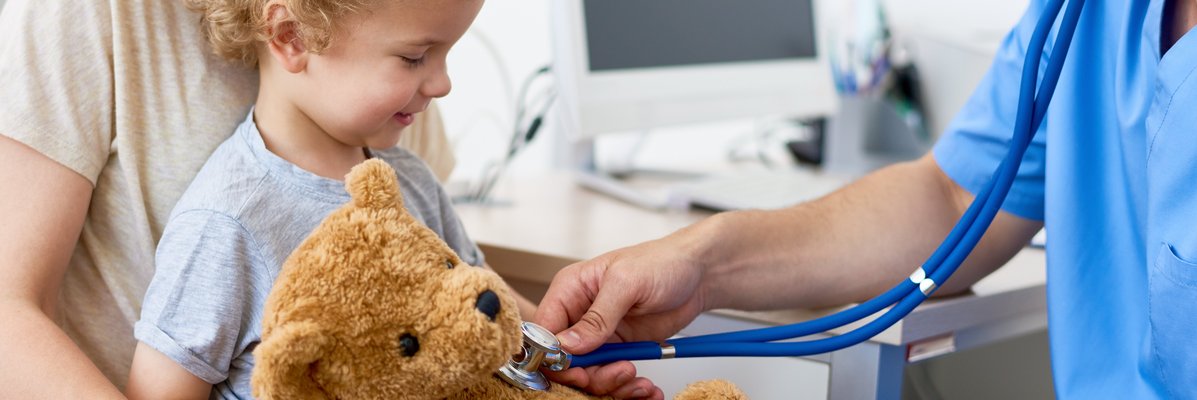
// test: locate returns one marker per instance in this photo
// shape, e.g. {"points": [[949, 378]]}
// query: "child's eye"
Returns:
{"points": [[415, 62]]}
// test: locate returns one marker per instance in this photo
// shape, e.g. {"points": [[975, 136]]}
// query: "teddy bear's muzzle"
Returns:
{"points": [[488, 303]]}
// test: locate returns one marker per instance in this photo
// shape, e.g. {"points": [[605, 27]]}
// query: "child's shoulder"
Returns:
{"points": [[227, 179]]}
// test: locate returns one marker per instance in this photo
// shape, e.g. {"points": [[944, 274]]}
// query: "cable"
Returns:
{"points": [[521, 135], [492, 178]]}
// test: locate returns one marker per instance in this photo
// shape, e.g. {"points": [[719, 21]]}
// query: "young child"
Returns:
{"points": [[339, 81]]}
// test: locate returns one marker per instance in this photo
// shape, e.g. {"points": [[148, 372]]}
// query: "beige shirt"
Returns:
{"points": [[127, 94]]}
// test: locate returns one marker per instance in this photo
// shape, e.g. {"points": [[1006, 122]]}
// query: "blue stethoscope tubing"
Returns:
{"points": [[937, 269]]}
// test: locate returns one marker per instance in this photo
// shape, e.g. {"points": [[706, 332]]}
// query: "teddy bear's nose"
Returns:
{"points": [[488, 303]]}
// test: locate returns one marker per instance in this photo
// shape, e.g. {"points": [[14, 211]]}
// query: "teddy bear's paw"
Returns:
{"points": [[712, 389]]}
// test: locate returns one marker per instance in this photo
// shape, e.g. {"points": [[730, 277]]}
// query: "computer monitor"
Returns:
{"points": [[625, 65], [635, 65]]}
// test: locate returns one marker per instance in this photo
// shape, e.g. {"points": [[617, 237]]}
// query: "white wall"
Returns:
{"points": [[479, 111]]}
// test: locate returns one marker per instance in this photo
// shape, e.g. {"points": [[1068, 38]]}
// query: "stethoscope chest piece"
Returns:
{"points": [[540, 348]]}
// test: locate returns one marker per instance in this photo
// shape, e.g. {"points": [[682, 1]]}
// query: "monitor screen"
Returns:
{"points": [[626, 34], [628, 65]]}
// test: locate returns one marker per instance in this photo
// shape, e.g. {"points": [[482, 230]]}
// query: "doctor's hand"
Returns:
{"points": [[645, 292]]}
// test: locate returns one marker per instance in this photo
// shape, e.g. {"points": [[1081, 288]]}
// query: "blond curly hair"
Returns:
{"points": [[234, 27]]}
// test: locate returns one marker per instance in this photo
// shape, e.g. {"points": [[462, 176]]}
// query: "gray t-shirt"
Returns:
{"points": [[227, 238]]}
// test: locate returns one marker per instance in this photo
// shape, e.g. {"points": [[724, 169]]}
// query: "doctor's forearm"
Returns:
{"points": [[850, 245]]}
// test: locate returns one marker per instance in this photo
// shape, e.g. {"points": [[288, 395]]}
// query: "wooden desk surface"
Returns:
{"points": [[551, 222], [551, 215]]}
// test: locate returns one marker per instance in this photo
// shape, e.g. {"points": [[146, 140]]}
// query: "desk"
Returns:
{"points": [[551, 222]]}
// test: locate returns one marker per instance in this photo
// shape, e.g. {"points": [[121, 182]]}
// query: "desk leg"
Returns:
{"points": [[867, 371]]}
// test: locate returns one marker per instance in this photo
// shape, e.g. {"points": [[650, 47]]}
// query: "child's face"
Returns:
{"points": [[384, 65]]}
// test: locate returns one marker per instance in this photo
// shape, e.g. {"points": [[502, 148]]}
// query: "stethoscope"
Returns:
{"points": [[542, 349]]}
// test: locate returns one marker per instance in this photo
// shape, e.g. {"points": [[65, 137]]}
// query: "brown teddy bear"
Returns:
{"points": [[373, 305]]}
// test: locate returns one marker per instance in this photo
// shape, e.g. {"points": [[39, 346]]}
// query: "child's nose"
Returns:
{"points": [[438, 85]]}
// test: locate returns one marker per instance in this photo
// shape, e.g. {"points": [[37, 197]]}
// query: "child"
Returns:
{"points": [[339, 81]]}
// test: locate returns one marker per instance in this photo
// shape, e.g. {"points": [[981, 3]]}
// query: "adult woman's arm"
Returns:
{"points": [[42, 205]]}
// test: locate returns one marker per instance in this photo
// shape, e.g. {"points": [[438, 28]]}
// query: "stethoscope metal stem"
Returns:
{"points": [[539, 349]]}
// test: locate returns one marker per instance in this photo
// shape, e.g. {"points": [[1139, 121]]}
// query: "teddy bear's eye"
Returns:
{"points": [[449, 264], [408, 345]]}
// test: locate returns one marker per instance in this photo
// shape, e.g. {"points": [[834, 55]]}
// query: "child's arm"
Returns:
{"points": [[155, 376], [200, 313]]}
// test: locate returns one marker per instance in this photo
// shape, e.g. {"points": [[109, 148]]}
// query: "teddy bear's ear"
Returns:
{"points": [[373, 184], [284, 362]]}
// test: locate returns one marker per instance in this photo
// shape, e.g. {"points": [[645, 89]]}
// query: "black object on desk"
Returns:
{"points": [[810, 151]]}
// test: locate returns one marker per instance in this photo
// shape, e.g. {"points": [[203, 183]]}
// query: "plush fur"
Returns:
{"points": [[373, 305]]}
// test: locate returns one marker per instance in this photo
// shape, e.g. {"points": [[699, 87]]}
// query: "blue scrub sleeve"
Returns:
{"points": [[978, 138]]}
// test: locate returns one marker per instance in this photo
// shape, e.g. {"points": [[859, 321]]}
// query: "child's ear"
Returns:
{"points": [[285, 45]]}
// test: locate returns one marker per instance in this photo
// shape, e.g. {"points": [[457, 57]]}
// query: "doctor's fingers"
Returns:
{"points": [[589, 301], [639, 388], [619, 380], [566, 296], [614, 295]]}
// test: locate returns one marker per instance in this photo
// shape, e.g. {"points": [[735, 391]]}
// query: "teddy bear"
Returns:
{"points": [[374, 305]]}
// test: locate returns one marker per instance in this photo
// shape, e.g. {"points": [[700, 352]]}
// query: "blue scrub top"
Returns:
{"points": [[1113, 175]]}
